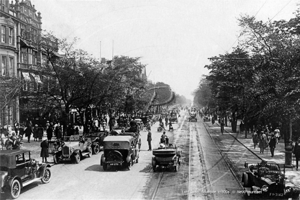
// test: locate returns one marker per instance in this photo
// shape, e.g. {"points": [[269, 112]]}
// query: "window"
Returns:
{"points": [[24, 56], [34, 57], [3, 34], [4, 71], [25, 86], [11, 66], [11, 36]]}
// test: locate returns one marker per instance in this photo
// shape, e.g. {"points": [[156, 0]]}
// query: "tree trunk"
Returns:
{"points": [[233, 122]]}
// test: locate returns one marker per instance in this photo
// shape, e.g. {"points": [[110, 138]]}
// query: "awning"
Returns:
{"points": [[26, 76], [25, 44], [37, 78], [57, 54]]}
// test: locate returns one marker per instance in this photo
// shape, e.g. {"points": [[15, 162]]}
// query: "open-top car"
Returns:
{"points": [[267, 179], [119, 150], [166, 156], [18, 170], [72, 149], [97, 140]]}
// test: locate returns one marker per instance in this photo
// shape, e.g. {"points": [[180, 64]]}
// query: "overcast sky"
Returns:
{"points": [[174, 38]]}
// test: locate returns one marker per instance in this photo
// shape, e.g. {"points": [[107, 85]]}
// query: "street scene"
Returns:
{"points": [[149, 100]]}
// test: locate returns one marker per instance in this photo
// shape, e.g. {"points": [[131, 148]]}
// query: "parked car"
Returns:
{"points": [[18, 170], [97, 140], [268, 180], [166, 156], [72, 149], [120, 150]]}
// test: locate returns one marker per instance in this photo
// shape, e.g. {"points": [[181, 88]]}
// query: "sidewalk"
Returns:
{"points": [[237, 154]]}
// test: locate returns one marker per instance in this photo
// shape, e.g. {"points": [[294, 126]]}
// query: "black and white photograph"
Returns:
{"points": [[149, 99]]}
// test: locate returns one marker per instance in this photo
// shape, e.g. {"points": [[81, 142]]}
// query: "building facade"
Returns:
{"points": [[22, 54]]}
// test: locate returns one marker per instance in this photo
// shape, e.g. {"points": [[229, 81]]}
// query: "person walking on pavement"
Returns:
{"points": [[297, 152], [222, 125], [263, 143], [49, 132], [35, 132], [40, 133], [45, 150], [149, 139], [272, 144], [28, 132], [255, 139]]}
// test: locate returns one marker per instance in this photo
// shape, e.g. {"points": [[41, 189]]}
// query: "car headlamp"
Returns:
{"points": [[264, 188]]}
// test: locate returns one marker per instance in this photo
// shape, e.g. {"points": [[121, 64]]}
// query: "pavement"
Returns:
{"points": [[239, 151]]}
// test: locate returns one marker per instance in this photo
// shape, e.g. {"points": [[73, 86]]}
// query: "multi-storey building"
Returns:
{"points": [[21, 56]]}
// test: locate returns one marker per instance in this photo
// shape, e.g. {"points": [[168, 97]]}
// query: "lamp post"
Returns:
{"points": [[289, 147]]}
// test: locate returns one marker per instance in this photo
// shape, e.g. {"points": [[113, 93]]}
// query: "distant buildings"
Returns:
{"points": [[22, 54]]}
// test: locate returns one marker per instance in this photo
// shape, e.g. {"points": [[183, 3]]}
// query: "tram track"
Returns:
{"points": [[224, 152]]}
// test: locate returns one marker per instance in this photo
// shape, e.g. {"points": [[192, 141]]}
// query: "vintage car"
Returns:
{"points": [[193, 117], [206, 119], [268, 180], [120, 150], [173, 117], [166, 156], [72, 149], [19, 170], [140, 123], [97, 140]]}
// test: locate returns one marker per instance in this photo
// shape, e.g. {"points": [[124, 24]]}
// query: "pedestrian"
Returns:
{"points": [[139, 142], [222, 125], [28, 132], [255, 139], [272, 144], [166, 120], [45, 150], [40, 133], [263, 143], [49, 132], [58, 132], [297, 152], [35, 132], [149, 139], [277, 134]]}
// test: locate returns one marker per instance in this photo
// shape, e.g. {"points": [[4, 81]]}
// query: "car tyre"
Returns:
{"points": [[245, 179], [77, 158], [96, 149], [47, 176], [15, 189]]}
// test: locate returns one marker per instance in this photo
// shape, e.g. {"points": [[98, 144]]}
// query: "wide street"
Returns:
{"points": [[203, 174]]}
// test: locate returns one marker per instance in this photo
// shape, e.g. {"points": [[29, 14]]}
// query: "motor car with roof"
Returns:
{"points": [[193, 117], [18, 170], [72, 148], [268, 179], [119, 150]]}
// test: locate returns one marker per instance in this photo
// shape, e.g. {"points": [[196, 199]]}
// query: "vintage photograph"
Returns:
{"points": [[149, 99]]}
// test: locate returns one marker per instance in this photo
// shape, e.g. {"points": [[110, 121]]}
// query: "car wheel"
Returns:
{"points": [[15, 189], [129, 165], [245, 179], [77, 158], [137, 160], [96, 149], [47, 176]]}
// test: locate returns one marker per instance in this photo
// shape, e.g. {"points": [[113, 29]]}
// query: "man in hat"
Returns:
{"points": [[45, 149], [272, 144], [277, 134]]}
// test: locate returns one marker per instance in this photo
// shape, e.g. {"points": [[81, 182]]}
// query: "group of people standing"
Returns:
{"points": [[265, 139]]}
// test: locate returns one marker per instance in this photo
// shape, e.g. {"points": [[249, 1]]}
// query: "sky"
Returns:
{"points": [[174, 38]]}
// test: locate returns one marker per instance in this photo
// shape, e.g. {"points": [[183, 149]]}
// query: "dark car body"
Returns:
{"points": [[18, 170], [173, 117], [193, 117], [268, 180], [119, 150], [166, 156]]}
